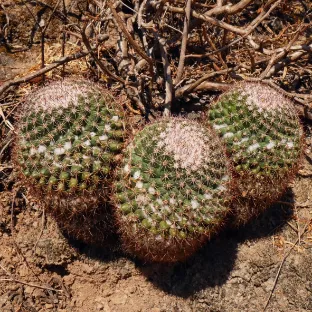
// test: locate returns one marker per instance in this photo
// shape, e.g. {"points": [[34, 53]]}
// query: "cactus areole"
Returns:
{"points": [[263, 134], [68, 137], [172, 190]]}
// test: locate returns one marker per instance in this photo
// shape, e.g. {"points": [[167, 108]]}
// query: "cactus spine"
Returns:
{"points": [[172, 191], [68, 138], [263, 134]]}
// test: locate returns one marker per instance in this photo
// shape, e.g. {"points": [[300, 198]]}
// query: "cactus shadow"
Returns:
{"points": [[212, 264], [209, 267], [269, 222], [106, 252], [96, 239]]}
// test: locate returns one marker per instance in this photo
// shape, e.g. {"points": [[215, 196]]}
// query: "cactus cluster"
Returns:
{"points": [[68, 138], [172, 189], [264, 138], [175, 184]]}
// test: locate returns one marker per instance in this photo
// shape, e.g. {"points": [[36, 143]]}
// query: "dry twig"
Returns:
{"points": [[168, 80], [15, 82], [300, 235], [184, 40], [14, 280]]}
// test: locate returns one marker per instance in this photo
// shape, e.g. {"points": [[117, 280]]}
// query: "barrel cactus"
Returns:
{"points": [[172, 190], [263, 135], [68, 140]]}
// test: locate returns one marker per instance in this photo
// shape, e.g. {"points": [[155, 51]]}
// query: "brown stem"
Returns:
{"points": [[96, 59], [43, 31], [42, 55], [192, 86], [184, 40], [64, 36], [229, 9], [276, 58], [133, 43], [14, 82], [167, 75]]}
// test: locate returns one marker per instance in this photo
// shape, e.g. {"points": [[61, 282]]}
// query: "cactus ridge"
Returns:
{"points": [[262, 141], [68, 141], [172, 189], [263, 135], [69, 137]]}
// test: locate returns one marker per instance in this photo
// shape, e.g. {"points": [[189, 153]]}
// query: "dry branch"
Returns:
{"points": [[4, 87], [195, 85], [104, 69], [228, 41], [229, 9], [184, 40], [133, 43], [167, 75], [14, 280]]}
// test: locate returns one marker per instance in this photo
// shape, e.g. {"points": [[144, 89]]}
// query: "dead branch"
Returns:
{"points": [[64, 35], [59, 14], [210, 20], [133, 43], [287, 60], [252, 26], [43, 29], [167, 29], [104, 69], [213, 86], [276, 58], [195, 85], [14, 280], [184, 40], [142, 26], [167, 71], [15, 82], [228, 9]]}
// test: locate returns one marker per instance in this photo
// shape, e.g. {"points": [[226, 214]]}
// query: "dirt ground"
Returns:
{"points": [[41, 270], [267, 262]]}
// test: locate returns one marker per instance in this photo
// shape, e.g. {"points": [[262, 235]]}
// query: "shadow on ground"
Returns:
{"points": [[212, 264]]}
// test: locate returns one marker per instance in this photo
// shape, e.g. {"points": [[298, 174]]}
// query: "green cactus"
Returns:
{"points": [[263, 134], [172, 190], [69, 136]]}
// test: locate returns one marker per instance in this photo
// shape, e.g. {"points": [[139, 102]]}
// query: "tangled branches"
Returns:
{"points": [[162, 52]]}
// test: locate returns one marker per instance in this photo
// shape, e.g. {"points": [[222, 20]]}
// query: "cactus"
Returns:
{"points": [[172, 190], [69, 136], [264, 138]]}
